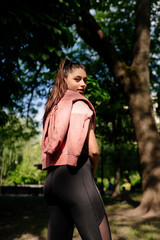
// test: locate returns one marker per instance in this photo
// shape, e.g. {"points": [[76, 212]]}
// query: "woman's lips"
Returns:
{"points": [[82, 90]]}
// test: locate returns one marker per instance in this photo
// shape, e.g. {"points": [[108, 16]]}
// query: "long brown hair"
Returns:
{"points": [[60, 86]]}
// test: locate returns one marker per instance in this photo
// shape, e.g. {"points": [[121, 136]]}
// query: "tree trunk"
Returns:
{"points": [[148, 140], [134, 81], [101, 165], [117, 139], [141, 109], [116, 193]]}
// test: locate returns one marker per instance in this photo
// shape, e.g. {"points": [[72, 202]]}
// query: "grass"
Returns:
{"points": [[130, 228], [24, 218]]}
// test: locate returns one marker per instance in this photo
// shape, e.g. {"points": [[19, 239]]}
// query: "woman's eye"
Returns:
{"points": [[77, 79]]}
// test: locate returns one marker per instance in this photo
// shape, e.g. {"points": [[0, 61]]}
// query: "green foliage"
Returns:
{"points": [[135, 178], [155, 51], [37, 36], [117, 19], [32, 38], [25, 171], [127, 157], [95, 93], [105, 183], [19, 160]]}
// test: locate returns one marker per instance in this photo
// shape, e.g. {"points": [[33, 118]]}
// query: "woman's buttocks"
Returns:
{"points": [[64, 180]]}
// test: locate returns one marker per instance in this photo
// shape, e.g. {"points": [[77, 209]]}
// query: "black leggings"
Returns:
{"points": [[73, 198]]}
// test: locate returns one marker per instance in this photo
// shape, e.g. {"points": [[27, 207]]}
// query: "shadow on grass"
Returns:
{"points": [[22, 215], [125, 197], [147, 225]]}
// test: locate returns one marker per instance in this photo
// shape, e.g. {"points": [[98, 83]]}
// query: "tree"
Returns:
{"points": [[134, 80], [21, 169], [13, 133]]}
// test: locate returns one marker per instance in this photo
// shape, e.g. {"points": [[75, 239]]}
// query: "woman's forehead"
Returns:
{"points": [[79, 72]]}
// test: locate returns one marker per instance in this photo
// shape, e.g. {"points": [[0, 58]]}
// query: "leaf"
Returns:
{"points": [[45, 57]]}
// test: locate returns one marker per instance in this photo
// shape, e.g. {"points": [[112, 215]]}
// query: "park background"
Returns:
{"points": [[119, 43]]}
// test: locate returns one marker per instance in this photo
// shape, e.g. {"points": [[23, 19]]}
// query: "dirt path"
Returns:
{"points": [[129, 228]]}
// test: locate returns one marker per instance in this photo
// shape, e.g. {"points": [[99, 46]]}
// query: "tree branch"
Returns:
{"points": [[91, 32]]}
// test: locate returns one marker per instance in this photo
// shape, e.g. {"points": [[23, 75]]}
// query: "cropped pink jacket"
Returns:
{"points": [[65, 130]]}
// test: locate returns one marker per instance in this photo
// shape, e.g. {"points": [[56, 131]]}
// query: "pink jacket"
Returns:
{"points": [[65, 130]]}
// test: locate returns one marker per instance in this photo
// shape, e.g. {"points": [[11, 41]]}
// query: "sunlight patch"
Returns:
{"points": [[27, 236]]}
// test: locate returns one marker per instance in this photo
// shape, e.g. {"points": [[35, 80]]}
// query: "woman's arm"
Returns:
{"points": [[93, 149]]}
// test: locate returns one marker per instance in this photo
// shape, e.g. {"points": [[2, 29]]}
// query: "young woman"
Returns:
{"points": [[70, 154]]}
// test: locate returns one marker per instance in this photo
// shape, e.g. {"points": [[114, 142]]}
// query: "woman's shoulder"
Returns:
{"points": [[80, 107]]}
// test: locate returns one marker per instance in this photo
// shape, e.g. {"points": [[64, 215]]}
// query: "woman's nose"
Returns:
{"points": [[83, 83]]}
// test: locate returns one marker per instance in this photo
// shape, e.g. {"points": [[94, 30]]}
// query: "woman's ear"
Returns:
{"points": [[65, 80]]}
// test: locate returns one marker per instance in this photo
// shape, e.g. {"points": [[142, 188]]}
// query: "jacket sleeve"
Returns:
{"points": [[81, 115], [56, 129]]}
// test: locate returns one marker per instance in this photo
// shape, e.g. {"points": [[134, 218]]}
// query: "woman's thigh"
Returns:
{"points": [[60, 224]]}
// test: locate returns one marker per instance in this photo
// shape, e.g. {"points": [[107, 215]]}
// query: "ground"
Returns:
{"points": [[25, 218]]}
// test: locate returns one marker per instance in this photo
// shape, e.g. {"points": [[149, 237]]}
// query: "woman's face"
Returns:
{"points": [[77, 80]]}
